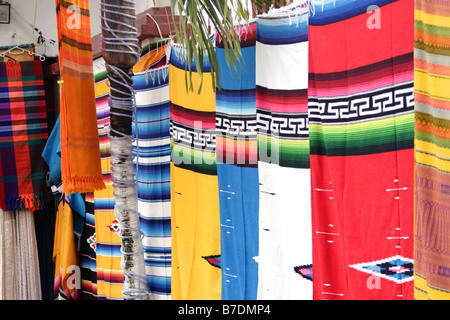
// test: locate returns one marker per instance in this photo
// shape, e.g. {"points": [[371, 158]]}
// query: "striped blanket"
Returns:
{"points": [[283, 151], [152, 149], [432, 134], [80, 156], [195, 221], [237, 170], [361, 126], [23, 134], [87, 253], [108, 243], [110, 275]]}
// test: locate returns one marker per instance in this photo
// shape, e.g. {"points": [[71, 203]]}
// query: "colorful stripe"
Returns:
{"points": [[432, 150], [152, 148], [361, 129], [110, 280], [237, 171], [87, 253], [194, 187], [283, 152]]}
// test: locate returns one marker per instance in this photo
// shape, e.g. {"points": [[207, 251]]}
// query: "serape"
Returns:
{"points": [[23, 134], [361, 129], [432, 134], [110, 275], [283, 153], [237, 170], [80, 155], [194, 190], [152, 150], [87, 253], [108, 243]]}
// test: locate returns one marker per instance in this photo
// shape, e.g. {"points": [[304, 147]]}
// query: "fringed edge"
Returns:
{"points": [[82, 184], [30, 202]]}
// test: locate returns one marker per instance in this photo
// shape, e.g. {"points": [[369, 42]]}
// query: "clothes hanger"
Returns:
{"points": [[21, 50]]}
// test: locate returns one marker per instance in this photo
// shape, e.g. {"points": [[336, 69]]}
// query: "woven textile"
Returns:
{"points": [[15, 54], [283, 152], [19, 262], [65, 255], [87, 252], [361, 126], [237, 170], [432, 136], [23, 134], [195, 220], [108, 243], [80, 155], [110, 275], [153, 176]]}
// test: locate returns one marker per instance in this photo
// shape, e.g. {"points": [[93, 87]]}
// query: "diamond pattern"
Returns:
{"points": [[397, 268]]}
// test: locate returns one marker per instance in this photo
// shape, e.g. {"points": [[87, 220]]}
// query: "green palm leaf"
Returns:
{"points": [[197, 42]]}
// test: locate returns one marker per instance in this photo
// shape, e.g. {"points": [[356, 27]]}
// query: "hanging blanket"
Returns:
{"points": [[432, 145], [237, 170], [153, 176], [23, 134], [19, 260], [361, 127], [110, 275], [87, 253], [80, 155], [65, 255], [195, 221], [283, 151]]}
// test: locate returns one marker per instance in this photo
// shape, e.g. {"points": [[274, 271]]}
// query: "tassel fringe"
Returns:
{"points": [[82, 184], [29, 202]]}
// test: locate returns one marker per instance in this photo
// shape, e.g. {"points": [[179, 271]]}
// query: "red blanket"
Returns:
{"points": [[361, 135]]}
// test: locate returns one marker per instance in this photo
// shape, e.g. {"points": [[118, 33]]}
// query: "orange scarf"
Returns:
{"points": [[80, 153]]}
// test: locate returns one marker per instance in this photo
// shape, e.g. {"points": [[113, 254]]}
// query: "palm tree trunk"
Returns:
{"points": [[121, 52]]}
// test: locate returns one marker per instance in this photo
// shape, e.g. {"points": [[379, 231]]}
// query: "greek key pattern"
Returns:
{"points": [[283, 125], [195, 138], [362, 107], [239, 127]]}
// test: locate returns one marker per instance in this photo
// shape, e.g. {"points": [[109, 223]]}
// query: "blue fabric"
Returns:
{"points": [[52, 156], [238, 182], [239, 200], [153, 176], [283, 30]]}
